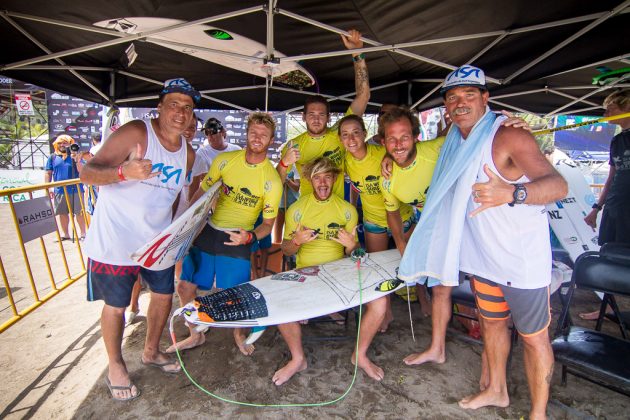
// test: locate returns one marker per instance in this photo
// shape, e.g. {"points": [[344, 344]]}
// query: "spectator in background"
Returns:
{"points": [[61, 166]]}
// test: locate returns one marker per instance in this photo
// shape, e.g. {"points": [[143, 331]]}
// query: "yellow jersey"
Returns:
{"points": [[365, 176], [328, 145], [325, 218], [411, 184], [247, 190]]}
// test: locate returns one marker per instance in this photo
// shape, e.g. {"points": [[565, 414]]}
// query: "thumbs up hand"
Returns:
{"points": [[492, 193], [137, 167], [292, 155]]}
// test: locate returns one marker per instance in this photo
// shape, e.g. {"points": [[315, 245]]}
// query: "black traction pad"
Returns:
{"points": [[234, 304]]}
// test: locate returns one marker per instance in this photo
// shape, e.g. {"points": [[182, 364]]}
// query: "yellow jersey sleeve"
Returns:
{"points": [[391, 202], [273, 193], [213, 175]]}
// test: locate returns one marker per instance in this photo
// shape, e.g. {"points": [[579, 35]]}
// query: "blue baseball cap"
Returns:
{"points": [[464, 76], [180, 85]]}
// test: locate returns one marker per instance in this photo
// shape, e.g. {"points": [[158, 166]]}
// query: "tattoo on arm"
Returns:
{"points": [[361, 79]]}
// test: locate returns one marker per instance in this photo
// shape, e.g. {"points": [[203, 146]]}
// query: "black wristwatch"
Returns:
{"points": [[520, 195], [597, 206]]}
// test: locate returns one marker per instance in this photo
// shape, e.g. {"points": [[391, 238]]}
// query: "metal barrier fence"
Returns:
{"points": [[41, 294]]}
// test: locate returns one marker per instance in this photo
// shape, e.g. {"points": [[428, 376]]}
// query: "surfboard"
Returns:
{"points": [[566, 216], [172, 244], [206, 36], [298, 294]]}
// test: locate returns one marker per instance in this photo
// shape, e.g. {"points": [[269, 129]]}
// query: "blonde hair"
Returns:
{"points": [[320, 165], [262, 118], [621, 98], [59, 139]]}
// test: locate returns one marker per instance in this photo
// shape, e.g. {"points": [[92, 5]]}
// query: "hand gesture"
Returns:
{"points": [[303, 235], [292, 155], [137, 168], [591, 219], [492, 193], [387, 166], [242, 237], [352, 40], [515, 122], [345, 238]]}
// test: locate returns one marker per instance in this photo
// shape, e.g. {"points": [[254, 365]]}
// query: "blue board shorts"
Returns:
{"points": [[113, 283], [377, 229], [210, 257]]}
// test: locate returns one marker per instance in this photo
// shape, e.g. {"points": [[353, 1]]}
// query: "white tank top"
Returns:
{"points": [[130, 213], [507, 245]]}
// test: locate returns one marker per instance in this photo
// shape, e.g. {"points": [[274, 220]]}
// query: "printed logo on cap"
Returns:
{"points": [[180, 82], [464, 76]]}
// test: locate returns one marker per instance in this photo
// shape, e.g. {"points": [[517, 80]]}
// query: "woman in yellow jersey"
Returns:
{"points": [[363, 166]]}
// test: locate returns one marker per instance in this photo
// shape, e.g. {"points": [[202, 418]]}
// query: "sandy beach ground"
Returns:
{"points": [[53, 365]]}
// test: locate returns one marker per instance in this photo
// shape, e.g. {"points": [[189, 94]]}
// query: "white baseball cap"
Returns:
{"points": [[464, 76]]}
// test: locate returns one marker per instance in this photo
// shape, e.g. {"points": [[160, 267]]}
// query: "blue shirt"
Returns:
{"points": [[62, 170]]}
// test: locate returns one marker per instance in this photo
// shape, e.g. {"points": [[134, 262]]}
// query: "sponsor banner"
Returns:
{"points": [[20, 178], [35, 218]]}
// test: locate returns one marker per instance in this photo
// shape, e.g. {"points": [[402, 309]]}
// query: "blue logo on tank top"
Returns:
{"points": [[168, 172]]}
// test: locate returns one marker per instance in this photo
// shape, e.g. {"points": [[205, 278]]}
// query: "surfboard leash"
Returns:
{"points": [[248, 404]]}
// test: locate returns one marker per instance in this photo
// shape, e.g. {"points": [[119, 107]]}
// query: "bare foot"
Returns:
{"points": [[338, 318], [427, 356], [372, 370], [246, 349], [486, 398], [191, 342], [287, 371], [385, 324], [591, 316]]}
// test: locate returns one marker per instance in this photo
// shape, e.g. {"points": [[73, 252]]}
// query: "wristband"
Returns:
{"points": [[358, 58], [249, 238], [597, 206], [121, 176], [253, 237], [283, 164]]}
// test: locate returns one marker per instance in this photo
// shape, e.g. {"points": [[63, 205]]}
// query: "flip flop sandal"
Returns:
{"points": [[162, 366], [63, 238], [113, 388]]}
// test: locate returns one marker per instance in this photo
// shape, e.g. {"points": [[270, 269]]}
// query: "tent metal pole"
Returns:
{"points": [[419, 101], [211, 98], [47, 51], [88, 28], [503, 104], [566, 95], [488, 47], [143, 78], [427, 80], [582, 87], [567, 41], [65, 68], [597, 63], [129, 37], [524, 92], [580, 99], [578, 111]]}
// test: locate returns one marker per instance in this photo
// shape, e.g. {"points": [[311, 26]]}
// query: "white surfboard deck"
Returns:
{"points": [[173, 243], [566, 216], [298, 294], [198, 36]]}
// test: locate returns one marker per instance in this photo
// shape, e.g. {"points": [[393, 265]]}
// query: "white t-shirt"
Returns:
{"points": [[205, 155]]}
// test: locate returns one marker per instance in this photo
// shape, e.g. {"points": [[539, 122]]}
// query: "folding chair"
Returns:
{"points": [[592, 354]]}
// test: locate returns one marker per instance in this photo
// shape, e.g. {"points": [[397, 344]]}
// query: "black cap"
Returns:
{"points": [[213, 125]]}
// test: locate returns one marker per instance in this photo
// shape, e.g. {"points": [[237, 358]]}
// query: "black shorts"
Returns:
{"points": [[615, 225], [113, 283], [211, 241]]}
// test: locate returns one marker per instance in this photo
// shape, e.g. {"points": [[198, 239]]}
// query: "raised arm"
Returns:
{"points": [[120, 157], [361, 77]]}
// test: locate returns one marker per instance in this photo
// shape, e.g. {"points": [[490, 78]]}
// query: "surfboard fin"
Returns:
{"points": [[255, 335]]}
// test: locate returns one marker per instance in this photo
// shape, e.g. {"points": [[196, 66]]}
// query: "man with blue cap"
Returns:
{"points": [[485, 217], [141, 170]]}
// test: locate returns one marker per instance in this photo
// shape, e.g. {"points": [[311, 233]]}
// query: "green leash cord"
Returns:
{"points": [[356, 258]]}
